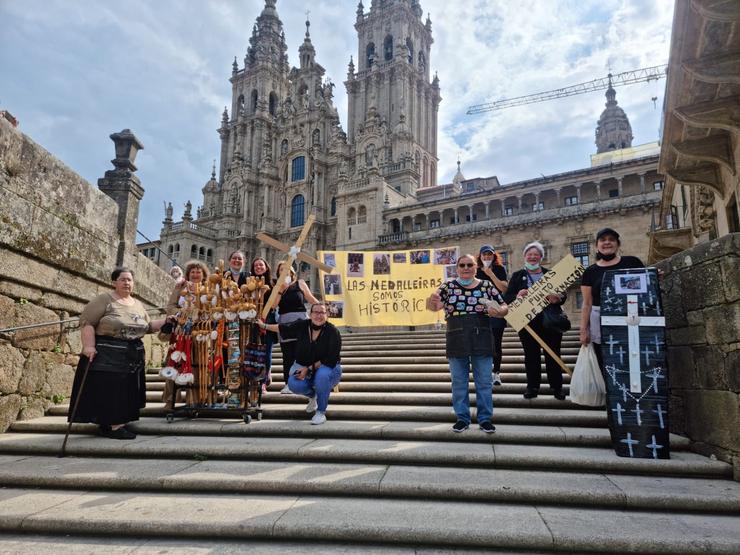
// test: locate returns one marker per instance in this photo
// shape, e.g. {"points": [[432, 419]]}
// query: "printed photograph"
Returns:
{"points": [[355, 264], [420, 257], [335, 309], [332, 284], [381, 264], [399, 257], [445, 256], [450, 272], [630, 284], [330, 260]]}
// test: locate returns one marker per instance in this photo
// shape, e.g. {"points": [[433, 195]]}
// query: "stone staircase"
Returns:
{"points": [[385, 474]]}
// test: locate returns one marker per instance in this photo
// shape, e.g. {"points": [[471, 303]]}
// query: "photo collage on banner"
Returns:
{"points": [[377, 288]]}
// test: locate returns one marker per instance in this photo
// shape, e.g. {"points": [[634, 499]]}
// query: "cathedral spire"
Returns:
{"points": [[307, 52], [613, 130]]}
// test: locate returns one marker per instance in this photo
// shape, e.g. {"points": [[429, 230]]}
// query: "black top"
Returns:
{"points": [[326, 348], [240, 278], [498, 271], [292, 299], [594, 275]]}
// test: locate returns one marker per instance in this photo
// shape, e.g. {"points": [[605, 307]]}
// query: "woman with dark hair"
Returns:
{"points": [[519, 285], [491, 267], [261, 269], [291, 307], [111, 328], [607, 258], [468, 302]]}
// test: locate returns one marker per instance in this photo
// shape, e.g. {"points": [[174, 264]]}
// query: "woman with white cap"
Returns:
{"points": [[519, 285]]}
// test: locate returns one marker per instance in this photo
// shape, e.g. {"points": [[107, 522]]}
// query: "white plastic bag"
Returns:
{"points": [[587, 384]]}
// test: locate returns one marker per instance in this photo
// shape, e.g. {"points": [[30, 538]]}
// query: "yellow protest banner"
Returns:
{"points": [[384, 288], [524, 309]]}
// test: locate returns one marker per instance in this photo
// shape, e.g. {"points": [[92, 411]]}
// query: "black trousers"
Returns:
{"points": [[498, 353], [288, 350], [533, 351]]}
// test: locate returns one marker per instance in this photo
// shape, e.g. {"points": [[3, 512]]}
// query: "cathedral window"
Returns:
{"points": [[284, 147], [209, 255], [410, 48], [240, 103], [508, 210], [298, 168], [571, 201], [296, 211], [613, 193], [580, 252], [170, 249], [201, 253], [362, 215], [433, 224], [370, 54], [253, 105], [316, 138], [273, 103], [388, 48], [351, 216], [177, 248], [333, 209], [658, 186], [193, 251]]}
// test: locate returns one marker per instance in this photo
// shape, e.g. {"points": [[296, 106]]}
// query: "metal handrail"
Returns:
{"points": [[59, 322]]}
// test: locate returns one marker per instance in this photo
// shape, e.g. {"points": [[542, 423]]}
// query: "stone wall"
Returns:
{"points": [[58, 244], [701, 295]]}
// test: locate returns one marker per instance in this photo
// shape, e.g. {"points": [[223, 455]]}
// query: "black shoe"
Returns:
{"points": [[559, 395], [103, 429], [531, 393], [487, 427], [460, 426], [120, 433]]}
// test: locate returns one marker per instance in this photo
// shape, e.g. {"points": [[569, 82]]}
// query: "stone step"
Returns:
{"points": [[502, 415], [342, 429], [307, 518], [392, 481], [481, 454]]}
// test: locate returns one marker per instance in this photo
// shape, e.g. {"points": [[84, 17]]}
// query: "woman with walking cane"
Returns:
{"points": [[111, 390]]}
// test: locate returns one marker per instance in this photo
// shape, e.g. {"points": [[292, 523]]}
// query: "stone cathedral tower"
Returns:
{"points": [[392, 120]]}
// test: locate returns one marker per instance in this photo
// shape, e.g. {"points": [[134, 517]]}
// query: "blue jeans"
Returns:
{"points": [[319, 384], [459, 371]]}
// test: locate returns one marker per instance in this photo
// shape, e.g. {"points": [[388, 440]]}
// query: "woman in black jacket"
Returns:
{"points": [[491, 267], [519, 285]]}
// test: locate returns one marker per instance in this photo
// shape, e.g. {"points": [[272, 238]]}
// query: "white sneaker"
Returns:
{"points": [[285, 389], [312, 405], [318, 418], [497, 378]]}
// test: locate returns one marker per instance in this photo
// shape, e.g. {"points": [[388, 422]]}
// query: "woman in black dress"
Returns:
{"points": [[607, 258]]}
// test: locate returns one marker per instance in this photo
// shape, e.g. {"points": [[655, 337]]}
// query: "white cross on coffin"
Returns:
{"points": [[633, 322]]}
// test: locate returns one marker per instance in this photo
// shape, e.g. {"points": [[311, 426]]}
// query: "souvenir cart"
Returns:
{"points": [[217, 352]]}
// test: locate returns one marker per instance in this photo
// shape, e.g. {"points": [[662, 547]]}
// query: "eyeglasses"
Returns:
{"points": [[466, 265], [316, 312]]}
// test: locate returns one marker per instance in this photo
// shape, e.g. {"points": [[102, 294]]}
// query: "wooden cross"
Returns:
{"points": [[293, 253]]}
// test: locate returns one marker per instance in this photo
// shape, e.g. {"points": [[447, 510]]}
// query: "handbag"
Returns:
{"points": [[587, 384], [554, 319]]}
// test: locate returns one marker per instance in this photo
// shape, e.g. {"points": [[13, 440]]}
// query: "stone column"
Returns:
{"points": [[124, 187], [578, 193], [537, 201], [488, 211], [619, 186], [557, 195], [598, 191], [642, 183]]}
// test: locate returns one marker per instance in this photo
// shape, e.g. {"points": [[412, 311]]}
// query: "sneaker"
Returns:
{"points": [[120, 433], [460, 426], [285, 390], [497, 379], [559, 395], [318, 418], [487, 427], [531, 393], [312, 405]]}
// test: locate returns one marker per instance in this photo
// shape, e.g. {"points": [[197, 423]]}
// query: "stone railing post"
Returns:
{"points": [[125, 188]]}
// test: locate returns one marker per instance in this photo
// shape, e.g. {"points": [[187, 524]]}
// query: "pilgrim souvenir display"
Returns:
{"points": [[209, 355], [634, 354]]}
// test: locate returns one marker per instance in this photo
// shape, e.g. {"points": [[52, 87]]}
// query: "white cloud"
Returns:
{"points": [[83, 69]]}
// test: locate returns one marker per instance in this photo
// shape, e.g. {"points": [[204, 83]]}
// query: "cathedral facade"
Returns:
{"points": [[285, 155]]}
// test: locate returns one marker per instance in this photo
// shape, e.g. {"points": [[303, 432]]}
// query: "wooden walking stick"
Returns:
{"points": [[74, 409]]}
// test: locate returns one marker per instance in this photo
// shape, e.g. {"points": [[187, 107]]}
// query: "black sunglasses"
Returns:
{"points": [[466, 265]]}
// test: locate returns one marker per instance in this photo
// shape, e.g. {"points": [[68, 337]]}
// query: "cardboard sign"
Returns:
{"points": [[524, 309], [384, 288]]}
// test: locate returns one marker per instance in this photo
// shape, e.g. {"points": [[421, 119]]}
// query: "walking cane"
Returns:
{"points": [[74, 409]]}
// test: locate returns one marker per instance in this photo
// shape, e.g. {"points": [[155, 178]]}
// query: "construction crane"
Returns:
{"points": [[627, 78]]}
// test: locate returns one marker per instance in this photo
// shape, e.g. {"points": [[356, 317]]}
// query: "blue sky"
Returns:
{"points": [[75, 71]]}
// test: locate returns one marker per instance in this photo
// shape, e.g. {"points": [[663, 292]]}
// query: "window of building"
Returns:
{"points": [[273, 103], [352, 216], [433, 224], [298, 169], [579, 299], [508, 211], [504, 258], [362, 215], [170, 249], [410, 47], [580, 252], [452, 220], [657, 186], [571, 201], [333, 208], [177, 248], [284, 147], [537, 206], [253, 104], [296, 211], [370, 54], [613, 193], [417, 226], [209, 255], [733, 218], [388, 48], [193, 251]]}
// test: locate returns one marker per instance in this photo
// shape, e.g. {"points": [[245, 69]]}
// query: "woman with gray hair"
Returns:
{"points": [[519, 285]]}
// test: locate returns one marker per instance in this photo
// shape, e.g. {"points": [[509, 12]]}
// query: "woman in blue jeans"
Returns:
{"points": [[468, 302], [316, 370]]}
